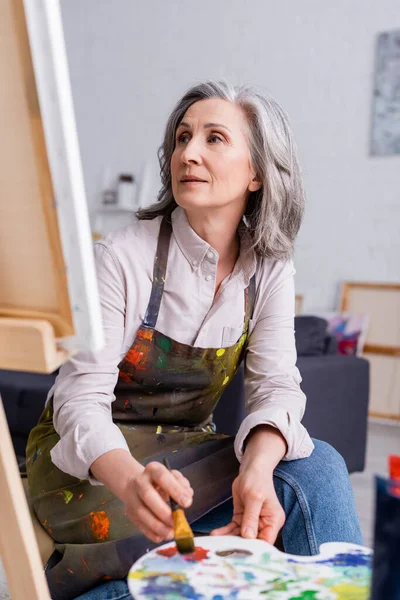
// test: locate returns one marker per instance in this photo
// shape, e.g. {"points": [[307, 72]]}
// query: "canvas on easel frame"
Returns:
{"points": [[381, 302], [48, 291]]}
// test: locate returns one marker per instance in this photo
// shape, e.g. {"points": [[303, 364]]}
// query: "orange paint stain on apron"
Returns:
{"points": [[100, 524]]}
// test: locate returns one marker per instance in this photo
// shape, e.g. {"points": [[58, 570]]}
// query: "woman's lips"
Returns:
{"points": [[192, 182]]}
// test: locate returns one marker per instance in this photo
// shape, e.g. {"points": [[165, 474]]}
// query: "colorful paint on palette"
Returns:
{"points": [[238, 569], [198, 554]]}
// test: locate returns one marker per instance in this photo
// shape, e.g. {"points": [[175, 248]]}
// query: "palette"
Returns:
{"points": [[234, 568]]}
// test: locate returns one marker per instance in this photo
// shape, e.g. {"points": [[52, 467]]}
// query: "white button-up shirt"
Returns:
{"points": [[189, 313]]}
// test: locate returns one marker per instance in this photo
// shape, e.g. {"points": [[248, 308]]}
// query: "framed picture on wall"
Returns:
{"points": [[385, 128]]}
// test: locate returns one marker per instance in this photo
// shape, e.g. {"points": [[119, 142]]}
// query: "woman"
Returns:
{"points": [[200, 281]]}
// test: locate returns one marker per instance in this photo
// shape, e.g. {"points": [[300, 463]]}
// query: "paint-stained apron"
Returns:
{"points": [[165, 395]]}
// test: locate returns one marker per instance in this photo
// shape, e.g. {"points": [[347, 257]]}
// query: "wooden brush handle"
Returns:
{"points": [[174, 505]]}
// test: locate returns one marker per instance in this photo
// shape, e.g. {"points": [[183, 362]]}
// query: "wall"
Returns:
{"points": [[130, 61]]}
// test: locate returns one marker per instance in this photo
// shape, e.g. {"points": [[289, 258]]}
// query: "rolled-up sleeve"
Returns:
{"points": [[272, 380], [84, 389]]}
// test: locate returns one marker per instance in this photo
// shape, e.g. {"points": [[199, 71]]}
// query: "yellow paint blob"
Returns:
{"points": [[350, 591], [220, 352], [144, 574], [225, 381], [67, 496]]}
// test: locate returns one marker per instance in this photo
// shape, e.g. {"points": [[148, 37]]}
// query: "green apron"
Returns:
{"points": [[165, 395]]}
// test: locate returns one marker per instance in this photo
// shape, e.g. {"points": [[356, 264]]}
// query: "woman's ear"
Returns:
{"points": [[255, 184]]}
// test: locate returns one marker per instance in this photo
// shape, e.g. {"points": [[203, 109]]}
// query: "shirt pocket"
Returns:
{"points": [[231, 335]]}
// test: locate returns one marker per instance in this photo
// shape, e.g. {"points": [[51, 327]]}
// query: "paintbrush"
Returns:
{"points": [[182, 532]]}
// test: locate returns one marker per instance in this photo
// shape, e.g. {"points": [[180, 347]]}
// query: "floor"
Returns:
{"points": [[383, 439]]}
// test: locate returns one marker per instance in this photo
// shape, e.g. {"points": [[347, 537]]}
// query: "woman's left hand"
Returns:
{"points": [[257, 512]]}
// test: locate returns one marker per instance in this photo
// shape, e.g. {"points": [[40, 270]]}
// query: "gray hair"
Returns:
{"points": [[274, 212]]}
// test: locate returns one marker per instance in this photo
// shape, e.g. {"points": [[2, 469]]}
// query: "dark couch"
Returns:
{"points": [[337, 389]]}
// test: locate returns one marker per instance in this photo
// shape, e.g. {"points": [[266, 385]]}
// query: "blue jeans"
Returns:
{"points": [[318, 501]]}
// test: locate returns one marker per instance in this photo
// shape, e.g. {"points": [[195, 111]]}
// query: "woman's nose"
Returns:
{"points": [[191, 154]]}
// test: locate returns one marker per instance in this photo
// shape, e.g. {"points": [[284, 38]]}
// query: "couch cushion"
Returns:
{"points": [[310, 333]]}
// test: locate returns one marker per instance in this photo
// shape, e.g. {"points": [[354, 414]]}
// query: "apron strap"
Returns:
{"points": [[249, 301], [159, 273]]}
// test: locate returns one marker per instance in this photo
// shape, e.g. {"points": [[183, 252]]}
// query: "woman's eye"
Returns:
{"points": [[214, 139], [184, 139]]}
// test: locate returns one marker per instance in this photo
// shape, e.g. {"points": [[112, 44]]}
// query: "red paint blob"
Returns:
{"points": [[168, 552], [198, 554]]}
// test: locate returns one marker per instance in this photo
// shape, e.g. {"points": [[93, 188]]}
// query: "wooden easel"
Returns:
{"points": [[37, 323], [18, 546]]}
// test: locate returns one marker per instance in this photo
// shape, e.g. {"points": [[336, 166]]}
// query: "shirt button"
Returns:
{"points": [[195, 263], [208, 277], [210, 255]]}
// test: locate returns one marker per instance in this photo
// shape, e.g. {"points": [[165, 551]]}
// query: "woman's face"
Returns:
{"points": [[211, 145]]}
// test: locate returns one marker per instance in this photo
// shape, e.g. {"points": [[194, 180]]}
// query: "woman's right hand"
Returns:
{"points": [[146, 495]]}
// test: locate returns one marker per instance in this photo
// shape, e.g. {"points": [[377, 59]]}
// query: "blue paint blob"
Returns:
{"points": [[233, 594], [351, 559], [160, 585]]}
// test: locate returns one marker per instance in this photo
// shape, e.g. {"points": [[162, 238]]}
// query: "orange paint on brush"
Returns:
{"points": [[100, 524], [198, 554], [70, 571], [80, 496]]}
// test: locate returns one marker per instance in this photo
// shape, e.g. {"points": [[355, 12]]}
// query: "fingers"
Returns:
{"points": [[270, 528], [182, 479], [148, 523], [269, 534], [152, 499], [230, 529], [148, 507], [251, 515], [173, 483]]}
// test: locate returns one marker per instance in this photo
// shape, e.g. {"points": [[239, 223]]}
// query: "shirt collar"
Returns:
{"points": [[194, 248]]}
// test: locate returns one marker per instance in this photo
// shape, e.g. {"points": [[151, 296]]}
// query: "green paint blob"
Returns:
{"points": [[164, 343], [306, 595]]}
